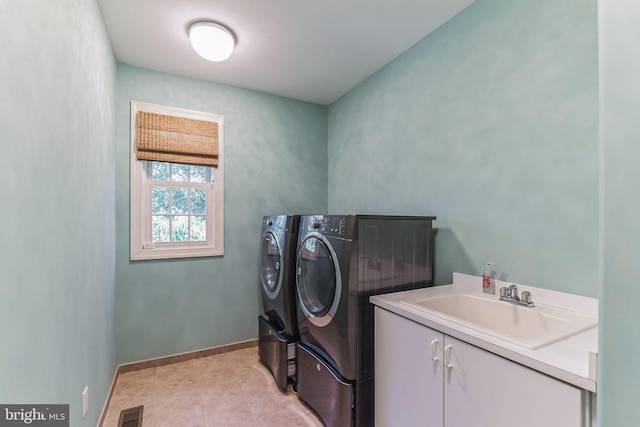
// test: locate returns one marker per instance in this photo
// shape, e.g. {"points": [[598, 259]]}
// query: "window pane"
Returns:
{"points": [[179, 228], [179, 214], [179, 201], [179, 172], [197, 173], [198, 201], [160, 227], [198, 228], [159, 200], [160, 171]]}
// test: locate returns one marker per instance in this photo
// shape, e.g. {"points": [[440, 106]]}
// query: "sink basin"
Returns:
{"points": [[530, 327]]}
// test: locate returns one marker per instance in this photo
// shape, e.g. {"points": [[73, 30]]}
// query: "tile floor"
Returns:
{"points": [[229, 389]]}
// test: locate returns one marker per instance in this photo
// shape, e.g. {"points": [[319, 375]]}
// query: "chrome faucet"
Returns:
{"points": [[510, 294]]}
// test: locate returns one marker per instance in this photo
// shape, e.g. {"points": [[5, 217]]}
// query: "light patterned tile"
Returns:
{"points": [[259, 382], [175, 408], [273, 408], [175, 371], [246, 356], [265, 393], [194, 422], [254, 374], [235, 416], [132, 395], [215, 378], [214, 370], [228, 389], [297, 420], [169, 388], [215, 399]]}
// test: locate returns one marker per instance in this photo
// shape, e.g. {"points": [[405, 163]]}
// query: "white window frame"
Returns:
{"points": [[142, 247]]}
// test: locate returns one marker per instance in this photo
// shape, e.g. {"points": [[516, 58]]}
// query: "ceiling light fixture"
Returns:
{"points": [[212, 41]]}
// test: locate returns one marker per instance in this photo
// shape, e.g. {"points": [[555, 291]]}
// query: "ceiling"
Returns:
{"points": [[309, 50]]}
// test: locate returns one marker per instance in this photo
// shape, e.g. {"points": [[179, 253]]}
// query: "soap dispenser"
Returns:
{"points": [[488, 283]]}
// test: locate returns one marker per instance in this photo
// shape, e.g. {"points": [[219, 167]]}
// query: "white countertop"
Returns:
{"points": [[573, 359]]}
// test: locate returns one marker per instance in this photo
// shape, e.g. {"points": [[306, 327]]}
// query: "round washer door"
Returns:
{"points": [[271, 264], [318, 280]]}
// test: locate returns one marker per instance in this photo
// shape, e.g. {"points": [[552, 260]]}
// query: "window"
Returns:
{"points": [[176, 205], [179, 195]]}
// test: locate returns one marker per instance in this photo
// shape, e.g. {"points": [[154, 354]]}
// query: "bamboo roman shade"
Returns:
{"points": [[173, 139]]}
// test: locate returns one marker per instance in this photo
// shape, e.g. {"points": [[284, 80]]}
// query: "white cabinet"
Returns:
{"points": [[409, 384], [425, 378], [482, 389]]}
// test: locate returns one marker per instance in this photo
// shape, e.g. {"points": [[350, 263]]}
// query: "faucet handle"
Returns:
{"points": [[526, 297]]}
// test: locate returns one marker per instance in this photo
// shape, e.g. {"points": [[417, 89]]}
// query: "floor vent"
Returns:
{"points": [[131, 417]]}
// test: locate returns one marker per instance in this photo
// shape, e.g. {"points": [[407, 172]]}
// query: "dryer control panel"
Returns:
{"points": [[330, 225], [338, 226]]}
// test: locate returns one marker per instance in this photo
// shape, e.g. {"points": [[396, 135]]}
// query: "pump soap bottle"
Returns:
{"points": [[488, 284]]}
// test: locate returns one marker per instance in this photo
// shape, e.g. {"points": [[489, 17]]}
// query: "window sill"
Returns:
{"points": [[175, 252]]}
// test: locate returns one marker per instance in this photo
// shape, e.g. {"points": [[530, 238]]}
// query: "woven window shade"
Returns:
{"points": [[176, 139]]}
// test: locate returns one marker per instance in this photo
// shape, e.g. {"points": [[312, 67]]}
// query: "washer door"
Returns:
{"points": [[271, 265], [318, 280]]}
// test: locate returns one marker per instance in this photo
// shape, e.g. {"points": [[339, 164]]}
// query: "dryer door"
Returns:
{"points": [[271, 264], [318, 279]]}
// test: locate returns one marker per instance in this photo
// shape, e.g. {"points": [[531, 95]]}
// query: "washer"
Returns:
{"points": [[341, 261], [278, 328]]}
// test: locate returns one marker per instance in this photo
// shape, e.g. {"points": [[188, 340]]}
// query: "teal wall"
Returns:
{"points": [[491, 124], [57, 219], [275, 162], [620, 147]]}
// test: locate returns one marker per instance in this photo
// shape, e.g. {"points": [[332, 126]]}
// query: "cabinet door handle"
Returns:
{"points": [[434, 350], [447, 357]]}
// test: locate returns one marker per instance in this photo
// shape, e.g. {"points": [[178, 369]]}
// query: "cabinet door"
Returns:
{"points": [[408, 376], [485, 390]]}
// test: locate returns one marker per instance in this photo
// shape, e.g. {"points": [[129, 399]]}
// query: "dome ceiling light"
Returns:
{"points": [[212, 41]]}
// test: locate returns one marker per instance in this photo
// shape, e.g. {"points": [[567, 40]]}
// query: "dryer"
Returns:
{"points": [[341, 261], [278, 328]]}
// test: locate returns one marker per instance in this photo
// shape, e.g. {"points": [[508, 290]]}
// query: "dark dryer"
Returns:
{"points": [[278, 328], [342, 261]]}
